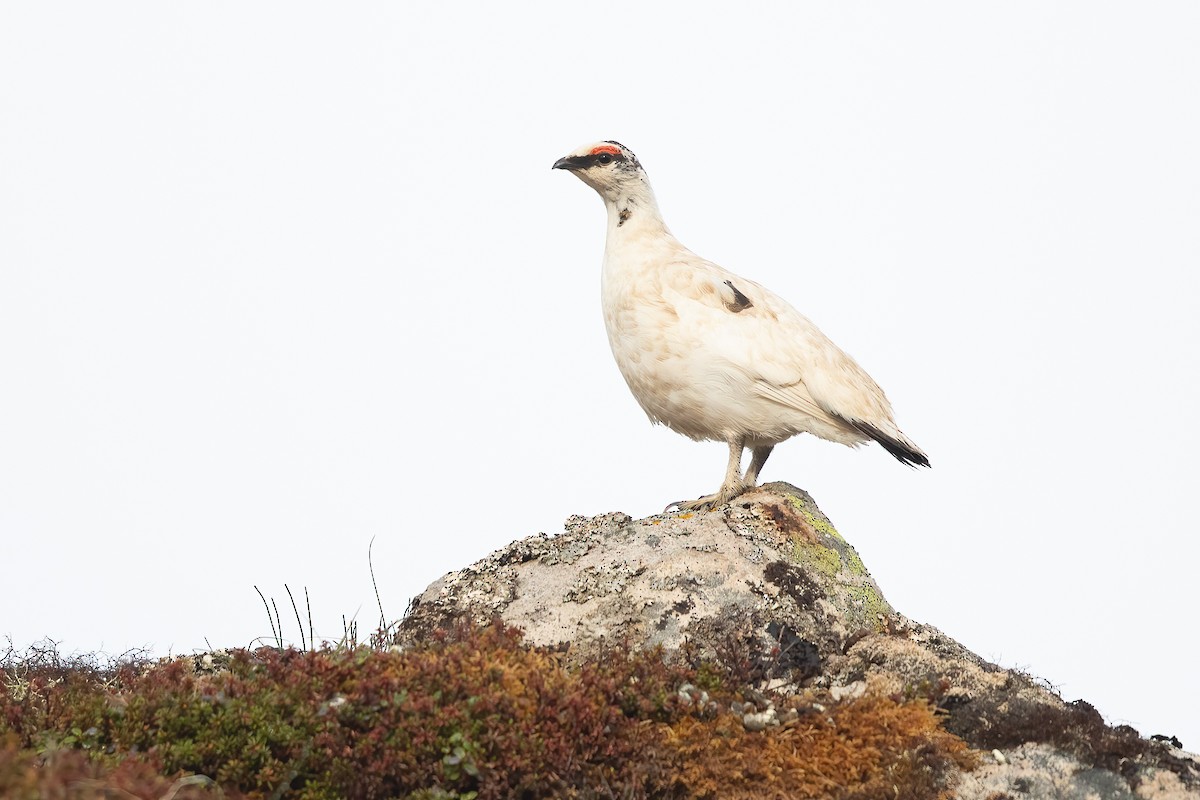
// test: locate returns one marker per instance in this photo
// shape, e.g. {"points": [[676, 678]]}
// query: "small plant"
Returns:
{"points": [[472, 714], [277, 624], [383, 635]]}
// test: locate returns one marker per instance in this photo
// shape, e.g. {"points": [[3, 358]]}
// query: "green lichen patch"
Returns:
{"points": [[825, 561], [869, 602], [819, 522], [821, 552]]}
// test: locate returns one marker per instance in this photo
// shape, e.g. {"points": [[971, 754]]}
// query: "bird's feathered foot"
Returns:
{"points": [[710, 501], [735, 483]]}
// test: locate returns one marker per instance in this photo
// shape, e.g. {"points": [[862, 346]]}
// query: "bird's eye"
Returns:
{"points": [[605, 158]]}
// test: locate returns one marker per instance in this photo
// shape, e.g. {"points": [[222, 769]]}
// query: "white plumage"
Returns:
{"points": [[715, 356]]}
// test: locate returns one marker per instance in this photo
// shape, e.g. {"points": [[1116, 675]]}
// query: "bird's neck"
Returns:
{"points": [[634, 212], [637, 241]]}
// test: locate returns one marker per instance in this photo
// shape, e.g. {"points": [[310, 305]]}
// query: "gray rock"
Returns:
{"points": [[768, 582], [1038, 771]]}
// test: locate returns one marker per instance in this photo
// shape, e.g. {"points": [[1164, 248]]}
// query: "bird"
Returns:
{"points": [[715, 356]]}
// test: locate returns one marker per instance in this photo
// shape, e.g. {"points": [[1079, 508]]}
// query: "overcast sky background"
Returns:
{"points": [[277, 279]]}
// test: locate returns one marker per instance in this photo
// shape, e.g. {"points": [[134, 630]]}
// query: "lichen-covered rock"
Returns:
{"points": [[768, 587], [1040, 770], [770, 567]]}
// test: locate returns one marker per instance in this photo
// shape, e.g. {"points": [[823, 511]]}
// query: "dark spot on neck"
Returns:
{"points": [[623, 216]]}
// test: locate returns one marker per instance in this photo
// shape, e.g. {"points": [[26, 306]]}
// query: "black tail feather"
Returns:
{"points": [[901, 451]]}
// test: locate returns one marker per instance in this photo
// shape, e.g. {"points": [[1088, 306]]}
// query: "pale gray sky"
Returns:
{"points": [[278, 278]]}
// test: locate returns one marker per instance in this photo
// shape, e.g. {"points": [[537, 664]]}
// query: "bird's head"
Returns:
{"points": [[610, 168]]}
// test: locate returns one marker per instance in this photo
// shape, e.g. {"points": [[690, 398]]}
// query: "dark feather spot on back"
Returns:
{"points": [[740, 301]]}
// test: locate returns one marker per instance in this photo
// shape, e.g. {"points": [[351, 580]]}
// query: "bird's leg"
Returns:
{"points": [[731, 488], [761, 454]]}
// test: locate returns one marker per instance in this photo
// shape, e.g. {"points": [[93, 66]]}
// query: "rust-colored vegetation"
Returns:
{"points": [[473, 714], [871, 748]]}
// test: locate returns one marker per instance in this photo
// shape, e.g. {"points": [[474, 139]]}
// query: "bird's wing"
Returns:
{"points": [[788, 357], [794, 396]]}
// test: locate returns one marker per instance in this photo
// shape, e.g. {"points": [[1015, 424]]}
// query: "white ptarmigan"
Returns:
{"points": [[712, 355]]}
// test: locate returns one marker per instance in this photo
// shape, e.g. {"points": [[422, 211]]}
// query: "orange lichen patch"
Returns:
{"points": [[605, 148], [872, 748]]}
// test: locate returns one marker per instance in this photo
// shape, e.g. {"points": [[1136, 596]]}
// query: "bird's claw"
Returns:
{"points": [[700, 504], [708, 502]]}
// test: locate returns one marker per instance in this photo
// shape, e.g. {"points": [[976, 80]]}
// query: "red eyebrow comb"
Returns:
{"points": [[605, 148]]}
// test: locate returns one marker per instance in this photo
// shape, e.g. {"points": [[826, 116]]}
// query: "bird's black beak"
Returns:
{"points": [[571, 162]]}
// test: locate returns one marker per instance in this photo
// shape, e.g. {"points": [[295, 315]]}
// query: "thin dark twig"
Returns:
{"points": [[278, 622], [311, 639], [274, 632], [296, 611], [375, 585]]}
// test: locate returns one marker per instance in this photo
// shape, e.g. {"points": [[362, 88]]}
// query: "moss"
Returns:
{"points": [[471, 715], [864, 750], [1005, 721], [26, 774], [473, 712]]}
